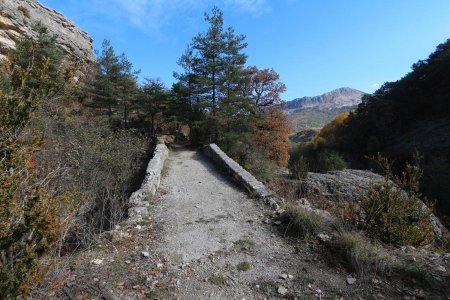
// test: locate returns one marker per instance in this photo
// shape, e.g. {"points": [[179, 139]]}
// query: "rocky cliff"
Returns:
{"points": [[339, 98], [18, 16]]}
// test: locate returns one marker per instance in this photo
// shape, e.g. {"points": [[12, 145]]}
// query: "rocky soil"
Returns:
{"points": [[206, 239]]}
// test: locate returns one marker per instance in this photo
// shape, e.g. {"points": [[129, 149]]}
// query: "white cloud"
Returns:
{"points": [[255, 7], [375, 85], [155, 14]]}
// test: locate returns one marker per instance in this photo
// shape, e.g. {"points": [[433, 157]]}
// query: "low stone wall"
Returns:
{"points": [[247, 180], [139, 200]]}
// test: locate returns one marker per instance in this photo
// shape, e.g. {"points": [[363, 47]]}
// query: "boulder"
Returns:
{"points": [[347, 184]]}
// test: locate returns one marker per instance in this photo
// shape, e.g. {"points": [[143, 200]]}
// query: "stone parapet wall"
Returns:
{"points": [[139, 200], [243, 177]]}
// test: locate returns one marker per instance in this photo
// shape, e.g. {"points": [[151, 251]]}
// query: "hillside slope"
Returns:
{"points": [[402, 118]]}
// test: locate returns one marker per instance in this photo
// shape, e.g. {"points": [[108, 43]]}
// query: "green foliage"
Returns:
{"points": [[33, 218], [304, 159], [153, 101], [393, 212], [114, 90], [210, 86], [299, 168], [222, 101], [333, 161]]}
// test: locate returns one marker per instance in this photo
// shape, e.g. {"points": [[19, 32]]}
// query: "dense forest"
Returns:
{"points": [[404, 120]]}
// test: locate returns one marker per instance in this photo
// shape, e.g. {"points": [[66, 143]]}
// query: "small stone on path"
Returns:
{"points": [[351, 280], [282, 290], [97, 261]]}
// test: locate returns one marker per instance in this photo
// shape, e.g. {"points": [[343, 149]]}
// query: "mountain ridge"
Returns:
{"points": [[337, 98]]}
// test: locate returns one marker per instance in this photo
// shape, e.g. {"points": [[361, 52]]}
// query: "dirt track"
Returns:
{"points": [[206, 239], [210, 226]]}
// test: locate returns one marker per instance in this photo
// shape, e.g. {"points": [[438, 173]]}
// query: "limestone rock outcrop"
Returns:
{"points": [[348, 185], [339, 98], [18, 16]]}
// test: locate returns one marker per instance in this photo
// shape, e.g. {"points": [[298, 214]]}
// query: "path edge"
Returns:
{"points": [[252, 185], [139, 200]]}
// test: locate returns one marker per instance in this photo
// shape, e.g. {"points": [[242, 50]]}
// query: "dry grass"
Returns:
{"points": [[301, 222], [362, 256]]}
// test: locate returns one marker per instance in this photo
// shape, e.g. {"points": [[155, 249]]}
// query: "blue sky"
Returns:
{"points": [[315, 45]]}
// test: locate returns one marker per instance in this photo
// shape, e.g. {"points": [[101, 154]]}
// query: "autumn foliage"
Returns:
{"points": [[272, 136]]}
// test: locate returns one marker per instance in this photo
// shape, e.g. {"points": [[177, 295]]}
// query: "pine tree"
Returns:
{"points": [[213, 65], [115, 86], [153, 100]]}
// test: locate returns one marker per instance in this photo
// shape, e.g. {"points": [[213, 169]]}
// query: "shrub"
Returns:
{"points": [[299, 168], [105, 168], [300, 222], [32, 220], [261, 167], [396, 216], [33, 217], [332, 161], [314, 158]]}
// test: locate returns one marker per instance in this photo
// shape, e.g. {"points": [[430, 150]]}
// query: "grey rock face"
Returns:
{"points": [[343, 97], [348, 184], [18, 16]]}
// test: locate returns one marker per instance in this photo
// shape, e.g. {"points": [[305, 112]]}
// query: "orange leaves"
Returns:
{"points": [[272, 136], [263, 86]]}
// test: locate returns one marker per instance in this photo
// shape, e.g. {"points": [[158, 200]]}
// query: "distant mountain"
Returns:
{"points": [[314, 112], [336, 99]]}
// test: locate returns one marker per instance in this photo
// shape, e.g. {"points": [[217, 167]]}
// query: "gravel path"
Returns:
{"points": [[206, 239], [212, 232]]}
